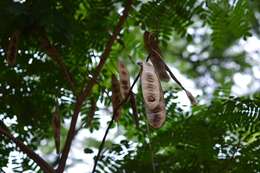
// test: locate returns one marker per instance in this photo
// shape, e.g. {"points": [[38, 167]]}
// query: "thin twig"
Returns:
{"points": [[30, 153], [111, 122], [89, 86]]}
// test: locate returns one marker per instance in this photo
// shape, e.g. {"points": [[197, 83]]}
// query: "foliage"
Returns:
{"points": [[162, 17], [224, 18], [221, 136]]}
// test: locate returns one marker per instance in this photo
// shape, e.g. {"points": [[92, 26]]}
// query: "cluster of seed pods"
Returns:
{"points": [[152, 94], [152, 74], [121, 90]]}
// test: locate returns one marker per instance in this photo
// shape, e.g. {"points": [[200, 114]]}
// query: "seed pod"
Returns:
{"points": [[124, 79], [150, 86], [56, 128], [150, 42], [157, 116], [134, 109], [116, 97], [147, 41], [152, 47], [12, 48]]}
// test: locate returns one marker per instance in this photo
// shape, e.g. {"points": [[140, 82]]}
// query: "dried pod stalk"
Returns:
{"points": [[116, 97], [56, 128], [156, 117], [124, 79], [191, 97], [152, 47], [12, 48], [150, 86]]}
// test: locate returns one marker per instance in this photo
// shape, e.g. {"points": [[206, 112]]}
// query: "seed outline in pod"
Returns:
{"points": [[150, 85], [157, 116]]}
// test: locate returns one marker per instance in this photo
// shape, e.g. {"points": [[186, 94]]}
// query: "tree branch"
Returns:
{"points": [[30, 153], [53, 53], [89, 86]]}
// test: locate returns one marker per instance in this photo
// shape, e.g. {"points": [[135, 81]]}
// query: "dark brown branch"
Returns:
{"points": [[111, 123], [107, 50], [30, 153], [53, 53], [89, 86]]}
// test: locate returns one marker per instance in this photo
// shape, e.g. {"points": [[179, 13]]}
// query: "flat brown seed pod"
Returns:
{"points": [[150, 85], [134, 108], [116, 97], [156, 117], [124, 79], [152, 47], [159, 66], [56, 128], [12, 48]]}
